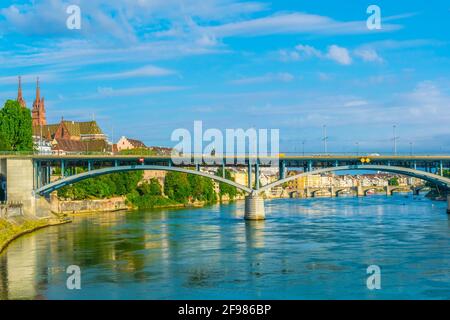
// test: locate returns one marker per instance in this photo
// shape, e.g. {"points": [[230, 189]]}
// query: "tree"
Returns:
{"points": [[446, 173], [16, 133], [4, 143], [225, 188], [393, 181], [150, 188], [138, 151], [177, 187]]}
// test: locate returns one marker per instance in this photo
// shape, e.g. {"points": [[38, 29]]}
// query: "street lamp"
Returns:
{"points": [[325, 139], [394, 127]]}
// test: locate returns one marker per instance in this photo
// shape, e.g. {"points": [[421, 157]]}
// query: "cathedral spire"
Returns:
{"points": [[38, 112], [19, 94], [38, 90]]}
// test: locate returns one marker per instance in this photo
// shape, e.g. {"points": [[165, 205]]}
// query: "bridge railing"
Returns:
{"points": [[281, 154]]}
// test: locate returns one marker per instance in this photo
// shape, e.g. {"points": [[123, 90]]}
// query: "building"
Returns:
{"points": [[125, 143], [67, 146], [78, 131], [161, 151], [20, 98], [38, 111], [42, 146], [72, 137]]}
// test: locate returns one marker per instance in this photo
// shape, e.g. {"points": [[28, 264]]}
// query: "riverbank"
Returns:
{"points": [[11, 229], [64, 206]]}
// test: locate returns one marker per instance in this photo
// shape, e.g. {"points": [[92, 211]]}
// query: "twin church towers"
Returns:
{"points": [[38, 111]]}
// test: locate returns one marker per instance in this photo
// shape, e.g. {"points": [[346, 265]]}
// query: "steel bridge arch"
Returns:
{"points": [[441, 181], [44, 190]]}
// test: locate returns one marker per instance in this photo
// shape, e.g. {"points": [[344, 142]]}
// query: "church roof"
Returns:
{"points": [[47, 130], [81, 146], [82, 128]]}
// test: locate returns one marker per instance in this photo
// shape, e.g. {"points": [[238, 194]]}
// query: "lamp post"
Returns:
{"points": [[325, 139], [394, 127]]}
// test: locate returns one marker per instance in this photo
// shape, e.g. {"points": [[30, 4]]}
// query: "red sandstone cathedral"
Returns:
{"points": [[38, 111], [65, 136]]}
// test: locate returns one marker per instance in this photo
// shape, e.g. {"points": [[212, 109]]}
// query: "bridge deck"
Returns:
{"points": [[281, 157]]}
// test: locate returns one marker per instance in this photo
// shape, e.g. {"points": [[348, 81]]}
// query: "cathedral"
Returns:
{"points": [[38, 111], [65, 136]]}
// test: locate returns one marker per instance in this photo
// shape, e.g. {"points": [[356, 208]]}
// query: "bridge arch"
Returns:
{"points": [[433, 178], [44, 190]]}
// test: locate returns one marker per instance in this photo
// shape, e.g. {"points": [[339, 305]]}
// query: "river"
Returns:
{"points": [[306, 249]]}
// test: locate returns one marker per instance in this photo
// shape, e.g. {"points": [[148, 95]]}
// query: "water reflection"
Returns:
{"points": [[254, 232], [307, 248]]}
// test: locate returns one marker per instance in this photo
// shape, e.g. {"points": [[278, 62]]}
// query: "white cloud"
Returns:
{"points": [[288, 23], [270, 77], [339, 54], [147, 71], [103, 92], [368, 55], [289, 55], [356, 103], [308, 51], [302, 52]]}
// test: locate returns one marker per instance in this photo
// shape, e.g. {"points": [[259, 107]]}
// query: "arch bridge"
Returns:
{"points": [[29, 177]]}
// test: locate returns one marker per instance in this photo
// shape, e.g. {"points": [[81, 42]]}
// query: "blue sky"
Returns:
{"points": [[143, 68]]}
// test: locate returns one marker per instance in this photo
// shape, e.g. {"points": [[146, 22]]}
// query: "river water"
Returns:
{"points": [[306, 249]]}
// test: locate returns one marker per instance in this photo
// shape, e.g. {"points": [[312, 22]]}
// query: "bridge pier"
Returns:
{"points": [[254, 208], [333, 192], [21, 179], [388, 191], [20, 183], [360, 191]]}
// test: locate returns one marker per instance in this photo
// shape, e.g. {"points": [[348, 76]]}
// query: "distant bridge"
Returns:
{"points": [[28, 176]]}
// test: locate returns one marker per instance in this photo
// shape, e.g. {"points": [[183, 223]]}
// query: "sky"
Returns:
{"points": [[143, 68]]}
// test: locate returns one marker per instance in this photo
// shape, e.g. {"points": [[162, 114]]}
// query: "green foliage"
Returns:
{"points": [[151, 188], [393, 181], [9, 231], [177, 187], [107, 186], [226, 189], [149, 195], [138, 151], [149, 201], [15, 128], [202, 189], [4, 142], [446, 173], [183, 188]]}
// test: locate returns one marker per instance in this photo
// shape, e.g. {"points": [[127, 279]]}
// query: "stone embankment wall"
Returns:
{"points": [[10, 210], [81, 206]]}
